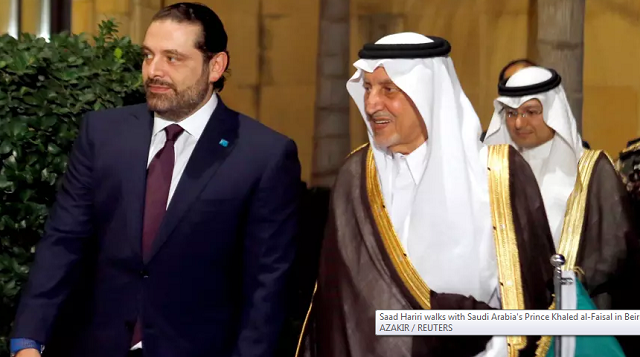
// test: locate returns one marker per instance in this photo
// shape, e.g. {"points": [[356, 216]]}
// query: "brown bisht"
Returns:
{"points": [[600, 239], [363, 266]]}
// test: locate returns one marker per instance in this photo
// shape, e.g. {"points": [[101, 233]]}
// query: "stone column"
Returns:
{"points": [[332, 142], [561, 45]]}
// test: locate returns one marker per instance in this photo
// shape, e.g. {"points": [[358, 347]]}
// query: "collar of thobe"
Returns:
{"points": [[193, 124], [415, 161], [537, 156]]}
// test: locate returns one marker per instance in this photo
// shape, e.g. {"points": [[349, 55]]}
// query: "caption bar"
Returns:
{"points": [[508, 322]]}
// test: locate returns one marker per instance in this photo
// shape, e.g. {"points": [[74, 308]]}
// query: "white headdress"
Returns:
{"points": [[450, 238], [554, 163]]}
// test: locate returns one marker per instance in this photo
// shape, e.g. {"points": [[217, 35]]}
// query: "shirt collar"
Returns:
{"points": [[539, 152], [193, 124], [416, 161]]}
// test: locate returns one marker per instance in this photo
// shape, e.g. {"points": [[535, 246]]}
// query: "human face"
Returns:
{"points": [[394, 119], [176, 77], [530, 131]]}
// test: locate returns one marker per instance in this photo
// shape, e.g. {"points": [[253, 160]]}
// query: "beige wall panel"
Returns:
{"points": [[612, 44], [30, 16], [142, 16], [290, 111], [142, 11], [5, 12], [83, 18], [154, 4], [113, 6], [287, 84], [226, 8], [610, 120], [366, 7], [611, 74], [278, 7], [240, 98], [290, 56], [243, 47]]}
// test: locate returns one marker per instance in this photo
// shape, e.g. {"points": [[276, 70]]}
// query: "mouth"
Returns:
{"points": [[159, 89], [379, 124]]}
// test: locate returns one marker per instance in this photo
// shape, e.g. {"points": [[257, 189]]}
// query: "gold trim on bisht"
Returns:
{"points": [[401, 262], [633, 147], [572, 226], [576, 205], [306, 320], [544, 343], [618, 163], [357, 149], [505, 238]]}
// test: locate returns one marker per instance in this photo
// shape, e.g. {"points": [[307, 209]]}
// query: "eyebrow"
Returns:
{"points": [[532, 106], [172, 52], [382, 82]]}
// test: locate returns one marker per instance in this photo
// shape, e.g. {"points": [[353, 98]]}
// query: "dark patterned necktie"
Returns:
{"points": [[159, 176]]}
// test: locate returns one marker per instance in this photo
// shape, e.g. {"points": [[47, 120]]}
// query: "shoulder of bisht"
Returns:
{"points": [[594, 155]]}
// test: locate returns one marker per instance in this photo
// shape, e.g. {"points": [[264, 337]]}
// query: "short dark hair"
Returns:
{"points": [[213, 39], [512, 63]]}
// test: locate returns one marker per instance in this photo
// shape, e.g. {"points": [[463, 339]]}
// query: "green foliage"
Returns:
{"points": [[45, 88]]}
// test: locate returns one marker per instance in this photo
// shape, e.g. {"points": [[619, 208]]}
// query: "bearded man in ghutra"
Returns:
{"points": [[425, 216]]}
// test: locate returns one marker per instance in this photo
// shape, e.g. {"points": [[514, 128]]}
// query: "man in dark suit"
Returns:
{"points": [[172, 233]]}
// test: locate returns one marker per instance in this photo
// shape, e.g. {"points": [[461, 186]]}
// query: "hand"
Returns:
{"points": [[28, 352]]}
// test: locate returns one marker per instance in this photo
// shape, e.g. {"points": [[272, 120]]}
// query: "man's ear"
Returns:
{"points": [[217, 66]]}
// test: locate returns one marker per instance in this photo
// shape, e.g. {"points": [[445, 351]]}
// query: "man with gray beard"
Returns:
{"points": [[172, 233]]}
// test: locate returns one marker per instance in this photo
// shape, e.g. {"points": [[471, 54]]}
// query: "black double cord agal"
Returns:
{"points": [[438, 48], [531, 89]]}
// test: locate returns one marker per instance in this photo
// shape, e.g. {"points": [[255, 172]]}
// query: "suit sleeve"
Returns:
{"points": [[68, 226], [268, 254]]}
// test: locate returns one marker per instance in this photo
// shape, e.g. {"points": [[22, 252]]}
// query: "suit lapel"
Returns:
{"points": [[213, 147], [137, 139]]}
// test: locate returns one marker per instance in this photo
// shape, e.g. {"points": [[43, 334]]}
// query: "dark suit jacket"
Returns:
{"points": [[214, 283]]}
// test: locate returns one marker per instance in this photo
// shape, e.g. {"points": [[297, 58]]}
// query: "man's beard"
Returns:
{"points": [[177, 105]]}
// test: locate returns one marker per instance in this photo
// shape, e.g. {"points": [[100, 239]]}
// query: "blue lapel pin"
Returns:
{"points": [[224, 143]]}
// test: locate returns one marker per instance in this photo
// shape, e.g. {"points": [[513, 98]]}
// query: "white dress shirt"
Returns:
{"points": [[406, 175], [408, 170], [193, 127]]}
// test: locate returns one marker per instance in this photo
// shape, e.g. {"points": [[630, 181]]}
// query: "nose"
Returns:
{"points": [[372, 102], [155, 68], [519, 122]]}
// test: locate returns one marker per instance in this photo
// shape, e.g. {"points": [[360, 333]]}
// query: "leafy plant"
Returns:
{"points": [[45, 88]]}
